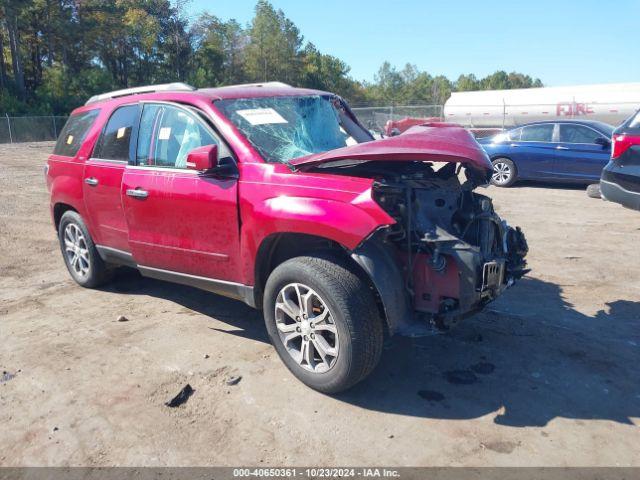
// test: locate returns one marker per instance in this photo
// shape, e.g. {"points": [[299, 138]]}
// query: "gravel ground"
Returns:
{"points": [[548, 375]]}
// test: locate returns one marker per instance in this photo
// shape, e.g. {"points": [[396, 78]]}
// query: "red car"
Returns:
{"points": [[396, 127], [279, 197]]}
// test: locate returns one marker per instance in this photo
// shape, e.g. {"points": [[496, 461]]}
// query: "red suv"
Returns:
{"points": [[279, 197]]}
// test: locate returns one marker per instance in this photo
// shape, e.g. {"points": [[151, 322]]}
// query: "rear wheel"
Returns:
{"points": [[504, 172], [323, 321], [79, 252]]}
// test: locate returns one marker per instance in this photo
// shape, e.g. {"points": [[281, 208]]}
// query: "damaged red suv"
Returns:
{"points": [[279, 197]]}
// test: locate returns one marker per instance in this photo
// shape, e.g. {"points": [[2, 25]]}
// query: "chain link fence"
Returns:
{"points": [[47, 128], [30, 129], [480, 119], [484, 120]]}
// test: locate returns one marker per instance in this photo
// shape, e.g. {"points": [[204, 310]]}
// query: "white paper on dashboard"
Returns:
{"points": [[261, 116]]}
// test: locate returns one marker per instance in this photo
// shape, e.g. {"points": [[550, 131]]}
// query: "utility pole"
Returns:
{"points": [[9, 125]]}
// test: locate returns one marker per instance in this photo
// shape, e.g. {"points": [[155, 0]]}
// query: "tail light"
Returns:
{"points": [[621, 143]]}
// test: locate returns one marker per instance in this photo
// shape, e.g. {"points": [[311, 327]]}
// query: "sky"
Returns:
{"points": [[559, 41]]}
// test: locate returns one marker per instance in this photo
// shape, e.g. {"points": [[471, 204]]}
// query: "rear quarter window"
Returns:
{"points": [[74, 133]]}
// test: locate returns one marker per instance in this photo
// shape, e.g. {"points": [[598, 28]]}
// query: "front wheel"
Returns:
{"points": [[504, 173], [323, 321]]}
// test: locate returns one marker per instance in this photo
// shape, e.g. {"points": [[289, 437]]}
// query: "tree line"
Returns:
{"points": [[54, 54]]}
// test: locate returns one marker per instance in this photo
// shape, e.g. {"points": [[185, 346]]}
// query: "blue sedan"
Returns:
{"points": [[556, 151]]}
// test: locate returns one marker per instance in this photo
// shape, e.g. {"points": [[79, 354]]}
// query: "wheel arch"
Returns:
{"points": [[280, 247], [58, 210], [497, 156], [506, 157]]}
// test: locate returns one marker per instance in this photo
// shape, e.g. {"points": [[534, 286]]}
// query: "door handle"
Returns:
{"points": [[137, 193], [91, 181], [560, 147]]}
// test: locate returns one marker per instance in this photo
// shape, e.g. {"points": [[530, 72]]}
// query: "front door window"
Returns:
{"points": [[537, 133], [168, 134]]}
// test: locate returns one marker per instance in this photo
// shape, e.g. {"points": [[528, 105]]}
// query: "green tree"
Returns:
{"points": [[174, 45], [324, 72], [274, 46], [388, 84], [56, 53], [11, 12], [500, 80], [234, 39], [496, 81], [467, 83], [218, 54]]}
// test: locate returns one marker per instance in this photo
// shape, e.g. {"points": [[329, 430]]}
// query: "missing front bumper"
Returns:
{"points": [[492, 277]]}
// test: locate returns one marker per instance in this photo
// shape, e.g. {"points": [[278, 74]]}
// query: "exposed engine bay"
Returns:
{"points": [[456, 254]]}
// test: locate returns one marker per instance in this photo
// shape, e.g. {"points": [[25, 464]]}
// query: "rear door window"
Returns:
{"points": [[577, 134], [115, 141], [74, 133], [537, 133]]}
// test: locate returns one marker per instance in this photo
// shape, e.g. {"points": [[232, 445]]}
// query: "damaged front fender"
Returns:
{"points": [[438, 293], [376, 259]]}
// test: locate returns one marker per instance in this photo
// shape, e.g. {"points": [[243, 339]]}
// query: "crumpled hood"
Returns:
{"points": [[436, 142]]}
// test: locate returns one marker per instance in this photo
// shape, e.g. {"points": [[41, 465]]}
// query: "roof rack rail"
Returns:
{"points": [[259, 84], [165, 87]]}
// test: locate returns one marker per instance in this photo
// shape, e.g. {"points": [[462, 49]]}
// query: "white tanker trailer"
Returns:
{"points": [[610, 103]]}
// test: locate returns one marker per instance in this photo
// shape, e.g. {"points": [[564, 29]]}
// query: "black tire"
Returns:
{"points": [[593, 191], [352, 308], [504, 172], [97, 271]]}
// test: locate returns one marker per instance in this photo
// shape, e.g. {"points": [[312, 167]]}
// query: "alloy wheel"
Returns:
{"points": [[76, 251], [501, 173], [306, 328]]}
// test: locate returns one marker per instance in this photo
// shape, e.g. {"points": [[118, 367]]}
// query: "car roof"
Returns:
{"points": [[591, 123], [255, 90]]}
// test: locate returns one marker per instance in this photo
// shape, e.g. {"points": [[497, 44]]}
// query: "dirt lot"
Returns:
{"points": [[547, 376]]}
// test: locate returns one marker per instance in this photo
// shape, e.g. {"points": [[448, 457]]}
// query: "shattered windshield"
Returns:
{"points": [[284, 128]]}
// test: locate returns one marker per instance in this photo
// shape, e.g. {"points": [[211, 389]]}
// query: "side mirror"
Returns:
{"points": [[605, 142], [203, 158]]}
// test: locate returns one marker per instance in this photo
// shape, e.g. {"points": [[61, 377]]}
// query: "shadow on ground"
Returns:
{"points": [[247, 322], [529, 358], [550, 185]]}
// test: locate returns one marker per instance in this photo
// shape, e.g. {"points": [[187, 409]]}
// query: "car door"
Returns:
{"points": [[578, 156], [103, 178], [178, 219], [536, 152]]}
